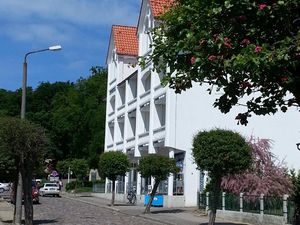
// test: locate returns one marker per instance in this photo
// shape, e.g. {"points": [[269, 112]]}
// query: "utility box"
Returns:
{"points": [[158, 200]]}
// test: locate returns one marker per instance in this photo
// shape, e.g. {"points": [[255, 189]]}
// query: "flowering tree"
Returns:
{"points": [[240, 48], [266, 175]]}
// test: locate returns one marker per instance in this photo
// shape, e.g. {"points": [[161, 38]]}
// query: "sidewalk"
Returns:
{"points": [[169, 216], [6, 212]]}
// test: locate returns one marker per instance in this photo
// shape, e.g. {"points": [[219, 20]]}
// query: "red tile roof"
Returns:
{"points": [[125, 40], [158, 7]]}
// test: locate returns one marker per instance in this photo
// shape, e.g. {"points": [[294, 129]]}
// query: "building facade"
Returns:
{"points": [[143, 117]]}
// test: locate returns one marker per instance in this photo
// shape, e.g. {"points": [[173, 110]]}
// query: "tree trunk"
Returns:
{"points": [[27, 187], [216, 191], [113, 193], [18, 199], [147, 209]]}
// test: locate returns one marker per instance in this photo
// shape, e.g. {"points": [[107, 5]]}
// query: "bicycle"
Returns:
{"points": [[131, 196]]}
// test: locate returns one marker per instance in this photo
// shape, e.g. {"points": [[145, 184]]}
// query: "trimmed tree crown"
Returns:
{"points": [[221, 152], [113, 164], [157, 166]]}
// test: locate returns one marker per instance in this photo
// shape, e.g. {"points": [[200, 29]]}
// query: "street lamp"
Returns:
{"points": [[24, 82], [298, 146], [18, 213]]}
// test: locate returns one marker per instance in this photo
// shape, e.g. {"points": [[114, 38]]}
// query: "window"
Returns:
{"points": [[121, 90], [160, 111], [132, 123], [146, 81], [133, 87], [145, 113], [178, 187]]}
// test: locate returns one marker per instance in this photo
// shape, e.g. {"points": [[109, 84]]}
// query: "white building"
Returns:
{"points": [[143, 117]]}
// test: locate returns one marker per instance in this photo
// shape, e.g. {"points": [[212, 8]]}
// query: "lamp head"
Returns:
{"points": [[55, 48], [298, 146]]}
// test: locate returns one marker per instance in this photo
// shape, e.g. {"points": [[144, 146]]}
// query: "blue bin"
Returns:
{"points": [[158, 200]]}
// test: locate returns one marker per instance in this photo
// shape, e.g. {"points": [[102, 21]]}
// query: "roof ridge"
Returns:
{"points": [[116, 25]]}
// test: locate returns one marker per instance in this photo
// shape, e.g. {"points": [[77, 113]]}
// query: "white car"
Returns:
{"points": [[50, 189], [4, 187]]}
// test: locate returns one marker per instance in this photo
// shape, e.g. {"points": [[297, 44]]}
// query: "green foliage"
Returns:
{"points": [[73, 114], [295, 177], [113, 164], [7, 165], [296, 195], [221, 152], [20, 140], [63, 166], [157, 166], [240, 48], [79, 167], [73, 184]]}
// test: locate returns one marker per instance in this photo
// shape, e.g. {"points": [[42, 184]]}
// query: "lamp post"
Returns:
{"points": [[24, 82], [18, 213]]}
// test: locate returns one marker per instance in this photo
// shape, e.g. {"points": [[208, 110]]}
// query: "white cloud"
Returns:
{"points": [[39, 33], [83, 12]]}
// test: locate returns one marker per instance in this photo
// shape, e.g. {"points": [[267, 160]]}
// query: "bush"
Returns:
{"points": [[73, 184]]}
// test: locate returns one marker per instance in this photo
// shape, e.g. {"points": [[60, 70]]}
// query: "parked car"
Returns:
{"points": [[34, 193], [50, 189], [4, 187]]}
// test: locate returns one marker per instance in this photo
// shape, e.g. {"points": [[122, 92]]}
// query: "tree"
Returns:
{"points": [[80, 168], [265, 176], [111, 165], [25, 143], [72, 113], [296, 195], [220, 152], [159, 167], [239, 48]]}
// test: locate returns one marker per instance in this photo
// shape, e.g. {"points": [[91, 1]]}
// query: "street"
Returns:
{"points": [[64, 211]]}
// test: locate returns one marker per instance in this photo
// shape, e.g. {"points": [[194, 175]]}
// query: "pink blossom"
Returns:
{"points": [[266, 176], [227, 42], [193, 60], [258, 49], [262, 6], [284, 79], [242, 18], [212, 58], [245, 41]]}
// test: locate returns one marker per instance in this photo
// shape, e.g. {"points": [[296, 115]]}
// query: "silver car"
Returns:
{"points": [[50, 189], [4, 187]]}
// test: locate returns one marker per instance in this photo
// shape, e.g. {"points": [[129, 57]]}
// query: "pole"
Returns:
{"points": [[18, 213], [69, 175], [24, 84]]}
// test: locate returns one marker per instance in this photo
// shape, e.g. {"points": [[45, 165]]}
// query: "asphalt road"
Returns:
{"points": [[64, 211]]}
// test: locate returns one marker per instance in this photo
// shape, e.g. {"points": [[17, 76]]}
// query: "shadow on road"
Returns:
{"points": [[35, 222], [167, 211], [220, 223]]}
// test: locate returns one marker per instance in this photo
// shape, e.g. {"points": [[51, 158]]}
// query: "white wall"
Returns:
{"points": [[197, 105]]}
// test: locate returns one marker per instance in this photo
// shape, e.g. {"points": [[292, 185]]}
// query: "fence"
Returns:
{"points": [[99, 187], [258, 204]]}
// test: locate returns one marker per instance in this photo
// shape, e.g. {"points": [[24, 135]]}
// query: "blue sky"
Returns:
{"points": [[81, 27]]}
